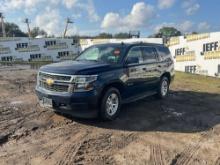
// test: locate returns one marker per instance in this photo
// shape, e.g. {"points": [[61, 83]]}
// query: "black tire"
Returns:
{"points": [[160, 93], [103, 108]]}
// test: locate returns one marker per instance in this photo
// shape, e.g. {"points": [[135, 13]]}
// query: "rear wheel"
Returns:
{"points": [[163, 88], [110, 104]]}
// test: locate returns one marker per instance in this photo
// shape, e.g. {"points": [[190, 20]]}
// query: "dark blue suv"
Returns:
{"points": [[103, 77]]}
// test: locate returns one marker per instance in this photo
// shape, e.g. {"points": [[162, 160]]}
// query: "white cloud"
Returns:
{"points": [[7, 5], [165, 24], [191, 7], [165, 4], [203, 27], [72, 31], [49, 14], [85, 6], [30, 6], [185, 26], [111, 20], [52, 22], [70, 3], [140, 16], [49, 21], [92, 11], [89, 7]]}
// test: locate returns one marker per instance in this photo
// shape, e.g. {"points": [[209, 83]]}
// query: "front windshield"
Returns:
{"points": [[102, 53]]}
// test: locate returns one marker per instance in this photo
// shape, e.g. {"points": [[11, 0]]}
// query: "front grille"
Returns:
{"points": [[61, 83], [54, 77], [54, 87]]}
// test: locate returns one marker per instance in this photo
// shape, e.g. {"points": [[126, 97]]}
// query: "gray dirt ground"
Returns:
{"points": [[183, 129]]}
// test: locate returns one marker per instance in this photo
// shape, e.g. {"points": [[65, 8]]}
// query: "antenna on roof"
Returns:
{"points": [[3, 25], [27, 21], [68, 21]]}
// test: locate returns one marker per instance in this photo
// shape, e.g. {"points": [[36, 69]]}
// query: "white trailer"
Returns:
{"points": [[13, 49], [199, 53]]}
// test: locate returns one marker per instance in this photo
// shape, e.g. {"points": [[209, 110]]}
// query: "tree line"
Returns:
{"points": [[13, 30]]}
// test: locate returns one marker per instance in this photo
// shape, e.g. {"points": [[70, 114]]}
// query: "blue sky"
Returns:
{"points": [[94, 16]]}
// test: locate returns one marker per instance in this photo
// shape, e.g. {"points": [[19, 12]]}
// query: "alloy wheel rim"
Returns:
{"points": [[112, 104], [164, 88]]}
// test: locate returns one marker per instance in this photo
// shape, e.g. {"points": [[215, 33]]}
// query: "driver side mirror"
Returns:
{"points": [[132, 60]]}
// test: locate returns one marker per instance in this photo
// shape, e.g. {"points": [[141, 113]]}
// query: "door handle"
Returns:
{"points": [[159, 66], [144, 69]]}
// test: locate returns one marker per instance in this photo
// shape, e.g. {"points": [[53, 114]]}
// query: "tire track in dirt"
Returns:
{"points": [[88, 150], [69, 155], [10, 119], [156, 156], [217, 162], [13, 117], [95, 149], [186, 156], [21, 120], [71, 150], [48, 142]]}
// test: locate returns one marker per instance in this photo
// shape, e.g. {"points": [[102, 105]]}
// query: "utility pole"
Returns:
{"points": [[27, 21], [68, 21], [3, 25]]}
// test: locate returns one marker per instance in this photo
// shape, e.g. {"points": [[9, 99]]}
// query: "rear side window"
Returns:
{"points": [[149, 54], [135, 52], [163, 51]]}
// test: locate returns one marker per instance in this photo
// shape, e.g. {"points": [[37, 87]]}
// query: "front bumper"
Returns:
{"points": [[78, 104]]}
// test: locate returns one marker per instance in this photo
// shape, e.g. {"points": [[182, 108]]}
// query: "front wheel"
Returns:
{"points": [[163, 88], [110, 104]]}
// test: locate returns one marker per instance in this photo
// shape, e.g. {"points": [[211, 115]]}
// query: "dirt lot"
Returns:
{"points": [[183, 129]]}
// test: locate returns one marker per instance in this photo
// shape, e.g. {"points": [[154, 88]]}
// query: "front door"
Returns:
{"points": [[134, 72]]}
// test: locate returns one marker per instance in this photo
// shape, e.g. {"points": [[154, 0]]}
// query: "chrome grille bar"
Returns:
{"points": [[61, 82]]}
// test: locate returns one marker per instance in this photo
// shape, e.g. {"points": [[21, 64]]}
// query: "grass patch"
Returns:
{"points": [[193, 82]]}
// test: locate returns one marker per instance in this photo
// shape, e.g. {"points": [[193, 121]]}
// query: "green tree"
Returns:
{"points": [[12, 30], [194, 33], [104, 35], [36, 31], [122, 35], [166, 32]]}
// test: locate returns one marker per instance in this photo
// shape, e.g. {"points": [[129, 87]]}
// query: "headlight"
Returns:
{"points": [[85, 79], [84, 83]]}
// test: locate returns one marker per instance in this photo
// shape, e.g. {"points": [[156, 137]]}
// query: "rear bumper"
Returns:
{"points": [[79, 104]]}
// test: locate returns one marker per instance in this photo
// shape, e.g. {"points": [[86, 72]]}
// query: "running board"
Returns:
{"points": [[138, 97]]}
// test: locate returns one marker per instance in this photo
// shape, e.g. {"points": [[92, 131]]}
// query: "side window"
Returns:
{"points": [[134, 56], [163, 51], [149, 54]]}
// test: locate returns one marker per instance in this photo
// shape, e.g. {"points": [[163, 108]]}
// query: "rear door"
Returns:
{"points": [[150, 68]]}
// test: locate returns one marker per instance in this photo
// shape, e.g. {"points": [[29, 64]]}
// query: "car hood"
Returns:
{"points": [[76, 67]]}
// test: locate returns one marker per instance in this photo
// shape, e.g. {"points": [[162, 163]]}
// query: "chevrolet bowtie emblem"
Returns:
{"points": [[50, 81]]}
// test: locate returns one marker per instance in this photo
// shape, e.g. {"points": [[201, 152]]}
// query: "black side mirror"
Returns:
{"points": [[132, 60]]}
